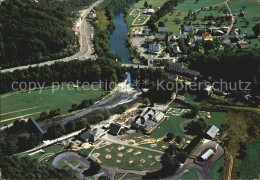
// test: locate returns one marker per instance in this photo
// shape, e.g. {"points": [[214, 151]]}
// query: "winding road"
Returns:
{"points": [[202, 168], [85, 51]]}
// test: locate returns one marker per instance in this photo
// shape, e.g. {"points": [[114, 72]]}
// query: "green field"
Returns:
{"points": [[214, 174], [251, 165], [136, 165], [181, 11], [190, 176], [52, 150], [21, 104], [251, 13]]}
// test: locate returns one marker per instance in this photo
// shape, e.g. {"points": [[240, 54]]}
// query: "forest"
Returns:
{"points": [[32, 32], [230, 65]]}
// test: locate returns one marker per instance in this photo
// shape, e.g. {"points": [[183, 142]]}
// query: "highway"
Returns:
{"points": [[85, 51]]}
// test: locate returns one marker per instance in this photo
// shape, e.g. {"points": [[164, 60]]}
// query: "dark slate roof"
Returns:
{"points": [[86, 135], [37, 126], [114, 129]]}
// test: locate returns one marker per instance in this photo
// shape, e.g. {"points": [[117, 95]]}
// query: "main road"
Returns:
{"points": [[84, 31]]}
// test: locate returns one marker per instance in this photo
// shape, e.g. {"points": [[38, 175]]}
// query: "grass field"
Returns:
{"points": [[251, 13], [136, 165], [102, 19], [53, 149], [251, 165], [214, 174], [190, 176], [181, 11], [22, 104]]}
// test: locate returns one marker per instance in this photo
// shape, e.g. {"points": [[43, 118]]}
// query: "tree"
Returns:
{"points": [[92, 170], [145, 4], [107, 114], [22, 143], [178, 139], [70, 126], [169, 137], [195, 127], [146, 101], [11, 148]]}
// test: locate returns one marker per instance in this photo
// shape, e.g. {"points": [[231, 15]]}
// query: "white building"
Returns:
{"points": [[207, 154], [212, 132], [158, 117]]}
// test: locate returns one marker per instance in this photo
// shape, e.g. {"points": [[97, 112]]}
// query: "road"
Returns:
{"points": [[109, 171], [202, 169], [85, 51]]}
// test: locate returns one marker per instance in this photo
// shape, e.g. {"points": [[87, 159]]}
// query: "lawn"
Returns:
{"points": [[21, 104], [251, 165], [251, 14], [72, 161], [181, 11], [189, 176], [136, 165], [214, 174], [53, 149]]}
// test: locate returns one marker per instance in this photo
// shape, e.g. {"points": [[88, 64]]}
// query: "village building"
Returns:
{"points": [[148, 11], [207, 37], [207, 154], [226, 41], [154, 48], [176, 51], [92, 14], [212, 132], [243, 45], [115, 129], [88, 136], [162, 29], [158, 117]]}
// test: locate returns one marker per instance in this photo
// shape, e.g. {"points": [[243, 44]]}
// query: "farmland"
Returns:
{"points": [[22, 104]]}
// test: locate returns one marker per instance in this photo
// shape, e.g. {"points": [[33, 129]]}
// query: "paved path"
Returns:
{"points": [[130, 145], [84, 40], [203, 169]]}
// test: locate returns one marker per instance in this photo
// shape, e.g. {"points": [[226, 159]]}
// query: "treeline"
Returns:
{"points": [[26, 168], [231, 65], [34, 32], [105, 70], [166, 8]]}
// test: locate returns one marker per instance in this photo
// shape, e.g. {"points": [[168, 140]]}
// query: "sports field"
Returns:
{"points": [[22, 104]]}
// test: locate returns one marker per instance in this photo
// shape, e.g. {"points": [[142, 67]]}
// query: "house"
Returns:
{"points": [[240, 14], [183, 36], [92, 14], [162, 29], [218, 32], [176, 51], [243, 45], [207, 154], [115, 129], [172, 39], [226, 41], [212, 132], [200, 31], [149, 125], [88, 136], [234, 31], [154, 48], [207, 37], [149, 115], [34, 126], [198, 39], [148, 11], [181, 69], [158, 117], [188, 28]]}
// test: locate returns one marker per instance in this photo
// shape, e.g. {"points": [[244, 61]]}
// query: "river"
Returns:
{"points": [[119, 36]]}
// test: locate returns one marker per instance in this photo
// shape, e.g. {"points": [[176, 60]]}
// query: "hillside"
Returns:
{"points": [[32, 32]]}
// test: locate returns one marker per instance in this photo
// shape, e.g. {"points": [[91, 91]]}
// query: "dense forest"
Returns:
{"points": [[26, 168], [32, 32], [231, 65]]}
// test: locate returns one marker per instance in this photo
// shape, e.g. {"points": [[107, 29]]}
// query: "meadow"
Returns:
{"points": [[251, 165], [22, 104]]}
